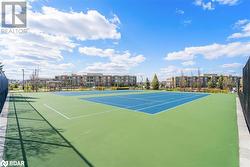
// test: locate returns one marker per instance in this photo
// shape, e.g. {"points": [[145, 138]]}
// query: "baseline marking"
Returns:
{"points": [[150, 100], [104, 112], [131, 107], [180, 105], [167, 102], [99, 100], [56, 111]]}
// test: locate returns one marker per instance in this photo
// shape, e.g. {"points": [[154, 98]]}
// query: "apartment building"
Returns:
{"points": [[96, 79], [202, 81]]}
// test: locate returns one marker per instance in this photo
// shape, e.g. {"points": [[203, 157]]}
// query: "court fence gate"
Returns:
{"points": [[245, 94], [3, 89]]}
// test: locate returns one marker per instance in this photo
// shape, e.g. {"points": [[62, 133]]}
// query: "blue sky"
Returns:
{"points": [[131, 37]]}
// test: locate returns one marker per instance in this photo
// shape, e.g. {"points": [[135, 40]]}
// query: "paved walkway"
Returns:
{"points": [[3, 124], [244, 137]]}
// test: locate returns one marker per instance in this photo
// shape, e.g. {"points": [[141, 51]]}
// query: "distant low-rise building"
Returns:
{"points": [[203, 81], [96, 80]]}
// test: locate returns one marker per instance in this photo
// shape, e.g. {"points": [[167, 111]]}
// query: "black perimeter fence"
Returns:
{"points": [[245, 94], [3, 89]]}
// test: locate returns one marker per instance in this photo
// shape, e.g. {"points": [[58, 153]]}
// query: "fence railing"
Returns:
{"points": [[3, 89], [245, 95]]}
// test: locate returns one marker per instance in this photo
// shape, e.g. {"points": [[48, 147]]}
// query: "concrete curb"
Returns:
{"points": [[244, 137], [3, 125]]}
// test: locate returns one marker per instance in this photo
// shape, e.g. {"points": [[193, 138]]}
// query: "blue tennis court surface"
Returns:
{"points": [[82, 93], [150, 103]]}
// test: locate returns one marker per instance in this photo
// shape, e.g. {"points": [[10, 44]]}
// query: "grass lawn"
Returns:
{"points": [[73, 132]]}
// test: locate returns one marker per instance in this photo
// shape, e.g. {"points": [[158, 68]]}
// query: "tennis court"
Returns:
{"points": [[150, 103], [101, 130]]}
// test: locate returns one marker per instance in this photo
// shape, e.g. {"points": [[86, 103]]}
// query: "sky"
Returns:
{"points": [[144, 37]]}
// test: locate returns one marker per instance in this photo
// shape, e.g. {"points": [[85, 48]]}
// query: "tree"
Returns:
{"points": [[34, 80], [16, 85], [220, 82], [183, 81], [210, 84], [194, 83], [155, 83], [1, 67], [147, 86], [199, 80], [226, 83]]}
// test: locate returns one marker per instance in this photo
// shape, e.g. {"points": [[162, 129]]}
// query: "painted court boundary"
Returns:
{"points": [[125, 107], [152, 101]]}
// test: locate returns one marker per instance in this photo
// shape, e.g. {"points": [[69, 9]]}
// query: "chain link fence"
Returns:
{"points": [[245, 95], [3, 89]]}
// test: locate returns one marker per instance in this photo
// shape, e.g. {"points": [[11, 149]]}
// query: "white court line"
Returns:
{"points": [[137, 99], [129, 107], [115, 104], [88, 115], [99, 113], [166, 103], [56, 111], [179, 105], [125, 107], [150, 100], [146, 100], [106, 103]]}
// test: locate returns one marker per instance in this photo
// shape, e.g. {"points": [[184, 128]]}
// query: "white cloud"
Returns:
{"points": [[204, 5], [31, 50], [227, 2], [179, 11], [16, 65], [51, 33], [171, 71], [232, 65], [115, 20], [84, 26], [212, 51], [210, 5], [187, 22], [239, 23], [34, 45], [93, 51], [244, 25], [119, 62], [188, 63]]}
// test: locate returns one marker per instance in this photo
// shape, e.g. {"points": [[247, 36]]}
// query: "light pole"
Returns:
{"points": [[23, 79]]}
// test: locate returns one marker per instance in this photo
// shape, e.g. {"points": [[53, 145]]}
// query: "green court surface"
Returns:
{"points": [[47, 129]]}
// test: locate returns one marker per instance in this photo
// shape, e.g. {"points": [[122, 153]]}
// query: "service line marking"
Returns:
{"points": [[56, 111]]}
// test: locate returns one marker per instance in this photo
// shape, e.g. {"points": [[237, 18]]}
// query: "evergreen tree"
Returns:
{"points": [[147, 86], [155, 83]]}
